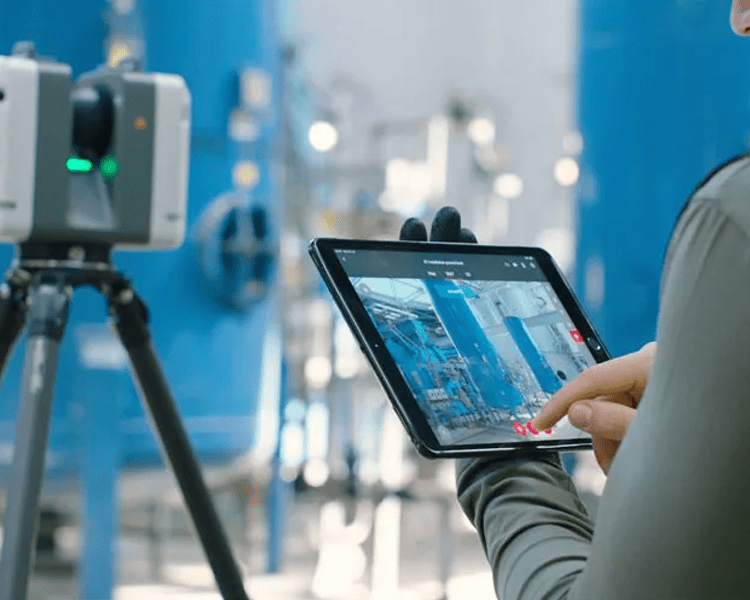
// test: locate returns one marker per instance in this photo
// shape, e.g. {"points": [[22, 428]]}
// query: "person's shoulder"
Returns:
{"points": [[728, 189], [735, 170]]}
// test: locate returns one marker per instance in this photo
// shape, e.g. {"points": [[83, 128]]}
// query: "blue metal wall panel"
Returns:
{"points": [[663, 98]]}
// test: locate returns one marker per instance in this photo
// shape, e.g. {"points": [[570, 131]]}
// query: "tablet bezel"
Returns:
{"points": [[323, 253]]}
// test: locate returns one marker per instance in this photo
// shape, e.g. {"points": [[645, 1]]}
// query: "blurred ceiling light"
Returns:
{"points": [[255, 89], [245, 174], [242, 126], [316, 472], [508, 185], [318, 371], [408, 183], [567, 171], [323, 136], [398, 173], [341, 559], [118, 50], [347, 365], [292, 446], [573, 142], [481, 130], [368, 472], [438, 138]]}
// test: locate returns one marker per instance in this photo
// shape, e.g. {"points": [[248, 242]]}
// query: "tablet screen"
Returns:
{"points": [[482, 341]]}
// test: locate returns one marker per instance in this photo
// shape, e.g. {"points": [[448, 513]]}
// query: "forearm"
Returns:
{"points": [[534, 528]]}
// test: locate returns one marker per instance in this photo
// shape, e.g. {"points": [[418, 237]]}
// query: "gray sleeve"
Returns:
{"points": [[535, 530], [673, 522]]}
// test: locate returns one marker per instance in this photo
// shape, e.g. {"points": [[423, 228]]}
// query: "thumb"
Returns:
{"points": [[601, 418]]}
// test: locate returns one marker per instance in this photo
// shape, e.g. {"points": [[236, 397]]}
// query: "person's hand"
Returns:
{"points": [[446, 227], [602, 400]]}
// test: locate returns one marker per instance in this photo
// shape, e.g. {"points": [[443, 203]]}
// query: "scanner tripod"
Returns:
{"points": [[37, 293]]}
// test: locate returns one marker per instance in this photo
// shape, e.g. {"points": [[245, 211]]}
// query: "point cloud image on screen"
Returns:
{"points": [[481, 357]]}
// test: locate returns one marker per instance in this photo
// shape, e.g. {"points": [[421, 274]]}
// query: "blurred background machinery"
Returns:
{"points": [[213, 298], [580, 126]]}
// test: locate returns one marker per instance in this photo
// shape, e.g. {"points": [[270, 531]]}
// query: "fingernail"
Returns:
{"points": [[745, 21], [580, 415]]}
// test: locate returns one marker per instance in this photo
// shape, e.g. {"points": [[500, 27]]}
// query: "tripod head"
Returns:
{"points": [[101, 161]]}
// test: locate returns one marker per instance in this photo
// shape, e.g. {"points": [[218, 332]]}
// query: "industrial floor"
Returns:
{"points": [[338, 565]]}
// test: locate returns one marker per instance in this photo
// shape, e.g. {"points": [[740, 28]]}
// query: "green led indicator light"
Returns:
{"points": [[79, 165], [108, 167]]}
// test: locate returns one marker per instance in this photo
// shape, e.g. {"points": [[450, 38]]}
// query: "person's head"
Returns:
{"points": [[740, 17]]}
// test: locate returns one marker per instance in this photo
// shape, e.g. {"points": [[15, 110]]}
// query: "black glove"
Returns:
{"points": [[446, 227]]}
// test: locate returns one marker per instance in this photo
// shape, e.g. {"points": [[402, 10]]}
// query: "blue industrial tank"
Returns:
{"points": [[211, 351], [663, 98]]}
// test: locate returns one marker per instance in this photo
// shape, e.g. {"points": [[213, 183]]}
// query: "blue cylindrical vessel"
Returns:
{"points": [[663, 98], [211, 354]]}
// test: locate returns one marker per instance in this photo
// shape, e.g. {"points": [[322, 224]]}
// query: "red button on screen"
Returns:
{"points": [[576, 336]]}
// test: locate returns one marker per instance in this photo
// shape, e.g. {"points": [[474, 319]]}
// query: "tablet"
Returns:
{"points": [[469, 342]]}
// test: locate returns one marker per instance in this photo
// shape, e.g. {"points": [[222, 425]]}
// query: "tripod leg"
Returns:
{"points": [[48, 313], [12, 316], [131, 322]]}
